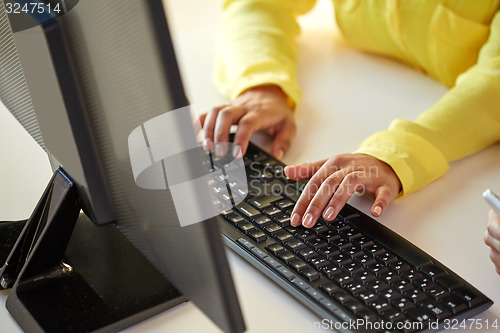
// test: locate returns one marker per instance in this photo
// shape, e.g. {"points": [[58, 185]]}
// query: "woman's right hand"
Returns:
{"points": [[259, 108]]}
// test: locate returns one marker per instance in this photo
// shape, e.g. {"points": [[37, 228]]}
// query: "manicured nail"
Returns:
{"points": [[219, 150], [377, 211], [206, 144], [279, 154], [237, 152], [308, 220], [329, 213], [295, 220]]}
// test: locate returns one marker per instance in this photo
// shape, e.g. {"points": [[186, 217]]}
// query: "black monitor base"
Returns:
{"points": [[90, 279]]}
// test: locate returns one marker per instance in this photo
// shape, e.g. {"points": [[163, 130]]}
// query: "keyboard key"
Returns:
{"points": [[310, 274], [388, 258], [272, 229], [303, 285], [416, 295], [295, 245], [343, 279], [367, 297], [403, 304], [283, 236], [341, 296], [400, 267], [284, 204], [263, 201], [454, 304], [424, 283], [317, 243], [329, 288], [271, 211], [449, 282], [288, 274], [365, 277], [234, 218], [320, 229], [319, 263], [467, 296], [380, 306], [308, 254], [330, 237], [364, 241], [275, 248], [433, 271], [287, 256], [340, 259], [305, 234], [247, 210], [378, 286], [419, 315], [297, 264], [437, 311], [282, 220], [331, 271], [437, 292], [246, 227], [257, 235], [261, 221], [328, 251], [354, 306], [272, 262]]}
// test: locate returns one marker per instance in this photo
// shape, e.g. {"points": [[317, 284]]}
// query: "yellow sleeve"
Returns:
{"points": [[257, 45], [464, 121]]}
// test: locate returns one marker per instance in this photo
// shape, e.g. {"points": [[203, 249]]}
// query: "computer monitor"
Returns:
{"points": [[81, 80]]}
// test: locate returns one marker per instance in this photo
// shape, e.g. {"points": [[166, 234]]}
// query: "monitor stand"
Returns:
{"points": [[67, 274]]}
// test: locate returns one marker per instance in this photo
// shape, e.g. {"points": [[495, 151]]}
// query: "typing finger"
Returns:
{"points": [[247, 125], [321, 198], [209, 126], [225, 118], [351, 183]]}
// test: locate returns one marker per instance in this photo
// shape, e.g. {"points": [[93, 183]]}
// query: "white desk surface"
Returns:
{"points": [[348, 95]]}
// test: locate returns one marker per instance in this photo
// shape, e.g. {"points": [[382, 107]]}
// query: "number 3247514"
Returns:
{"points": [[472, 324], [32, 8]]}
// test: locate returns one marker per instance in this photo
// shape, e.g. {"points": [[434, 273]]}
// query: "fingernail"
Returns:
{"points": [[279, 154], [295, 220], [237, 152], [308, 220], [219, 150], [206, 144], [329, 213], [377, 211]]}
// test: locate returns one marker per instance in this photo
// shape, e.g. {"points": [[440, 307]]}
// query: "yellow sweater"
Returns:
{"points": [[457, 42]]}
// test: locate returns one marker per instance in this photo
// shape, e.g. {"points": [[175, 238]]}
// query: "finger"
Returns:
{"points": [[247, 125], [225, 118], [321, 199], [202, 118], [383, 197], [349, 184], [492, 242], [283, 139], [303, 171], [298, 215], [209, 126], [495, 258]]}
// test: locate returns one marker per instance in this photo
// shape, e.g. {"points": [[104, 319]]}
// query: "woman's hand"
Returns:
{"points": [[492, 238], [259, 108], [333, 181]]}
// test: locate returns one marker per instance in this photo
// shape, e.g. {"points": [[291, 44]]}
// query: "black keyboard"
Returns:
{"points": [[350, 270]]}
